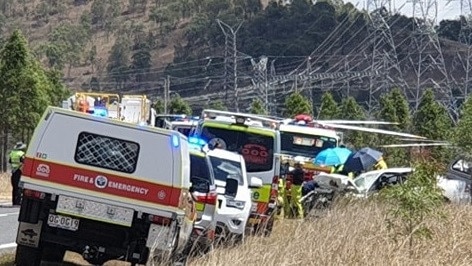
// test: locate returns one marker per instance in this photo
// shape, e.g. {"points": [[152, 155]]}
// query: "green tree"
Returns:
{"points": [[25, 90], [296, 104], [218, 105], [57, 91], [463, 131], [158, 105], [432, 121], [388, 112], [329, 108], [55, 55], [70, 40], [141, 63], [412, 203], [179, 106], [86, 23], [402, 109], [92, 57], [118, 62], [351, 110], [98, 11], [257, 107]]}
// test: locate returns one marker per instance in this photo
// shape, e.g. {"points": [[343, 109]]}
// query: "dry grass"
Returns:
{"points": [[5, 187], [353, 234], [350, 235]]}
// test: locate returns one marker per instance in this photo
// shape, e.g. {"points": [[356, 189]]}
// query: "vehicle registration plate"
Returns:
{"points": [[254, 221], [63, 222]]}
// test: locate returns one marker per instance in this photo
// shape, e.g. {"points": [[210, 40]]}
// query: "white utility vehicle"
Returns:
{"points": [[234, 193], [106, 189]]}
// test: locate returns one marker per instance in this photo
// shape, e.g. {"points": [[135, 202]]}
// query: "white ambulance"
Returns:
{"points": [[106, 189]]}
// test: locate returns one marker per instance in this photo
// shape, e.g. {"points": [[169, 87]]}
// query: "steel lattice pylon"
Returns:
{"points": [[425, 56], [462, 64], [231, 64], [384, 56], [260, 80]]}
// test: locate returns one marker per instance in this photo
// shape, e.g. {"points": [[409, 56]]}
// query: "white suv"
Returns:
{"points": [[234, 194]]}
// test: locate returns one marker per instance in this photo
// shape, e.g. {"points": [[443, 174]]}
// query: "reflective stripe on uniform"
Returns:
{"points": [[15, 157]]}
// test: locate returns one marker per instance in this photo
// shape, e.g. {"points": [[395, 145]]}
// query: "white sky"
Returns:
{"points": [[445, 11]]}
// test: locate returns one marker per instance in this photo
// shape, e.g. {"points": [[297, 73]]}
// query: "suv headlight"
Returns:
{"points": [[235, 204]]}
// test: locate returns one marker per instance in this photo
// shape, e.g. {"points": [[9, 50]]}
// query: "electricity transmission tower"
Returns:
{"points": [[260, 81], [384, 57], [231, 64], [425, 58], [462, 64]]}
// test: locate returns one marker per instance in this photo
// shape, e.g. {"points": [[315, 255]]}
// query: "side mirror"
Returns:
{"points": [[351, 189], [256, 182], [199, 185], [231, 188]]}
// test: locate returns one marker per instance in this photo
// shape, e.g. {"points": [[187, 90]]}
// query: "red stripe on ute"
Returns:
{"points": [[101, 182]]}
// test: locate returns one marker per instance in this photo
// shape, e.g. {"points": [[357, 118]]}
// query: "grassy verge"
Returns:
{"points": [[5, 187], [351, 234], [7, 259]]}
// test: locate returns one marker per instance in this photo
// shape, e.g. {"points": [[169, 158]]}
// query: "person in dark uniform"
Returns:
{"points": [[298, 176]]}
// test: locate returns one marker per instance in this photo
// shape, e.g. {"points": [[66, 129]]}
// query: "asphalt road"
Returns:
{"points": [[9, 225]]}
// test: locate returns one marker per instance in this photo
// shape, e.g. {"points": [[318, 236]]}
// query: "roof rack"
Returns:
{"points": [[240, 118]]}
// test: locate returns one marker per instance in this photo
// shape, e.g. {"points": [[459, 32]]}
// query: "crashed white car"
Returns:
{"points": [[456, 183], [365, 184]]}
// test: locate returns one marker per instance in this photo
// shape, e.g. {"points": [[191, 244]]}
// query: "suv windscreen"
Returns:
{"points": [[304, 144], [199, 168], [222, 168], [256, 149], [184, 130]]}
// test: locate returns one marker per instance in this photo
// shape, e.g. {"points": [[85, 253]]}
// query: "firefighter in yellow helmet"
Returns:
{"points": [[296, 188], [15, 159], [381, 164]]}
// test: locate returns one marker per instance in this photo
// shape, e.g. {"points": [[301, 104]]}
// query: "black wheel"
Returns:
{"points": [[234, 240], [27, 256], [53, 253], [268, 227]]}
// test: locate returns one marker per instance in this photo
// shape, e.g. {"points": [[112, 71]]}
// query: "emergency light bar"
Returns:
{"points": [[240, 118], [197, 141]]}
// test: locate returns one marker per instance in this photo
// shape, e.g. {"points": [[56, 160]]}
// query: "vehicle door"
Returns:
{"points": [[386, 180], [460, 172], [203, 183]]}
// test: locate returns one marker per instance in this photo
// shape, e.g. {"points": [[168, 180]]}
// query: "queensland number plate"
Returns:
{"points": [[63, 222], [254, 221]]}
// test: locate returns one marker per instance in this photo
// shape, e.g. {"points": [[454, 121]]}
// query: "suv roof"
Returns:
{"points": [[228, 155]]}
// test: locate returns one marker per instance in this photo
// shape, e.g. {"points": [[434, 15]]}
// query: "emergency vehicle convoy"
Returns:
{"points": [[98, 187], [108, 178]]}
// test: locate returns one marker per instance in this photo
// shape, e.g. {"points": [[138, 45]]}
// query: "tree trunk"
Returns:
{"points": [[5, 149]]}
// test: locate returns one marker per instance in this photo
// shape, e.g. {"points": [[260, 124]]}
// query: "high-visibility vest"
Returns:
{"points": [[15, 157], [381, 164]]}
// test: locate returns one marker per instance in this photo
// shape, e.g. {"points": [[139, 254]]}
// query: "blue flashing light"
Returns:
{"points": [[175, 141], [197, 141]]}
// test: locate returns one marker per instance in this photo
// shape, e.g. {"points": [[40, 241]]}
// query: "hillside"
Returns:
{"points": [[43, 17], [133, 45]]}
